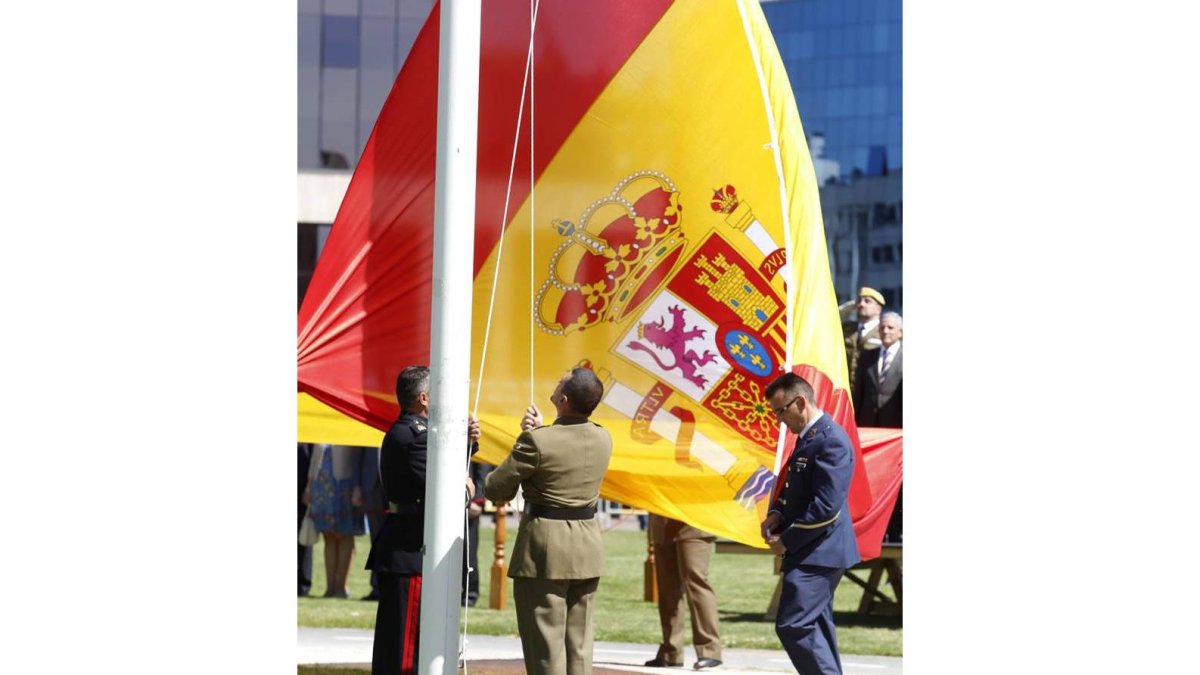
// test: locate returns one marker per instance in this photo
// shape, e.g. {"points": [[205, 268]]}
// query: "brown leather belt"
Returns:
{"points": [[559, 512]]}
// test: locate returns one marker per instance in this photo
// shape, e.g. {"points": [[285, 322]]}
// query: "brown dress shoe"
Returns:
{"points": [[660, 662]]}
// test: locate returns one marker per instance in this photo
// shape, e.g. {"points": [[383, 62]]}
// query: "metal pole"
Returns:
{"points": [[450, 333]]}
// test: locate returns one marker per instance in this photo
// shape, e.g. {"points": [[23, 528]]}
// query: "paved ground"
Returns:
{"points": [[351, 646]]}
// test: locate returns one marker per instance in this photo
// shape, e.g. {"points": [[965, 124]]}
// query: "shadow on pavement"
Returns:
{"points": [[839, 618], [474, 667]]}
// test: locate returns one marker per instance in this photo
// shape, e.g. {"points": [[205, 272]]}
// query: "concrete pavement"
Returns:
{"points": [[353, 646]]}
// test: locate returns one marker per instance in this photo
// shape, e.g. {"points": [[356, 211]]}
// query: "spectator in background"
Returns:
{"points": [[303, 553], [470, 594], [372, 506], [863, 335], [681, 557], [334, 498], [877, 395]]}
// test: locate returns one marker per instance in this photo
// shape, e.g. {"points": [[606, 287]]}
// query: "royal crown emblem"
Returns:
{"points": [[622, 248], [737, 213]]}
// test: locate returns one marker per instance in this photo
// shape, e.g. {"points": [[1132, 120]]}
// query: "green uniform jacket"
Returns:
{"points": [[560, 465], [856, 344]]}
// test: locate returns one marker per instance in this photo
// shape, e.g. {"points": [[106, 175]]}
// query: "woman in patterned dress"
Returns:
{"points": [[334, 498]]}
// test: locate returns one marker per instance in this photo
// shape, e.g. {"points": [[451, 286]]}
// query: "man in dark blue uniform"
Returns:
{"points": [[396, 551], [810, 521]]}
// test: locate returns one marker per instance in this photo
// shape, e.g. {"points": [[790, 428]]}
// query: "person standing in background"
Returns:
{"points": [[681, 557], [863, 335], [303, 553], [470, 595], [879, 398], [877, 393], [334, 498], [372, 504]]}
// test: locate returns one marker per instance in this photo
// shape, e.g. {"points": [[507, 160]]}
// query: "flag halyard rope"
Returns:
{"points": [[526, 85]]}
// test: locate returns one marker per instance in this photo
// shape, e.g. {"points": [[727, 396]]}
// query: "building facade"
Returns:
{"points": [[864, 232], [844, 60]]}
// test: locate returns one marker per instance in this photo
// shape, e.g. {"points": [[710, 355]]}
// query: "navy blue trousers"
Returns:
{"points": [[804, 623]]}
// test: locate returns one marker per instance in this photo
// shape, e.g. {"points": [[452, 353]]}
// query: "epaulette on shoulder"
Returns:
{"points": [[417, 426]]}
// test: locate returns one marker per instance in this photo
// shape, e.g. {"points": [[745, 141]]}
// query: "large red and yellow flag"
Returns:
{"points": [[672, 242]]}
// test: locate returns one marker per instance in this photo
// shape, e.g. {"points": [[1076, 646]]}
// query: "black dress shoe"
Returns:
{"points": [[370, 596], [659, 662], [704, 664]]}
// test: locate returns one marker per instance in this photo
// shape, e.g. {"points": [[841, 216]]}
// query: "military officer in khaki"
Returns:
{"points": [[863, 334], [681, 557], [558, 556]]}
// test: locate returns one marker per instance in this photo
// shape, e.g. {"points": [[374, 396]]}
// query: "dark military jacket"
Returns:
{"points": [[402, 458], [813, 504]]}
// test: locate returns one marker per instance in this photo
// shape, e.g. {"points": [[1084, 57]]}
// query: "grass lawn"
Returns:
{"points": [[743, 584]]}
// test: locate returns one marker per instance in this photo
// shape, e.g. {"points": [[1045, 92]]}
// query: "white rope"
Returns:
{"points": [[512, 167], [462, 636], [532, 197]]}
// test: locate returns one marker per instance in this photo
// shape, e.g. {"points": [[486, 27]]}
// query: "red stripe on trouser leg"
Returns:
{"points": [[412, 624]]}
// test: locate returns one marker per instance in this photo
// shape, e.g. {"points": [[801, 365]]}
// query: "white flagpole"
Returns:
{"points": [[450, 333]]}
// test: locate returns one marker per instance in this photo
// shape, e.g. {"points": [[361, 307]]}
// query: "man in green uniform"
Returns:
{"points": [[558, 556]]}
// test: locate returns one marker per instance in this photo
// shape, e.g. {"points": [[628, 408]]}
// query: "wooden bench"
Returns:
{"points": [[889, 562]]}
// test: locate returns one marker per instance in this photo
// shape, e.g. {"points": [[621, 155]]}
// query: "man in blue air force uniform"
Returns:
{"points": [[810, 519]]}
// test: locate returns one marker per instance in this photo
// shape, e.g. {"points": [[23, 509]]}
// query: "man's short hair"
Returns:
{"points": [[583, 390], [792, 385], [409, 384], [896, 315]]}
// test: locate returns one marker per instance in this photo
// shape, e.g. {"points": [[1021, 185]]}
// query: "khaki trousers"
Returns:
{"points": [[681, 568], [554, 618]]}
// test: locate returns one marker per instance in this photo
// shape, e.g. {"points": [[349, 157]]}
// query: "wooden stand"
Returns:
{"points": [[890, 559], [649, 580], [498, 597]]}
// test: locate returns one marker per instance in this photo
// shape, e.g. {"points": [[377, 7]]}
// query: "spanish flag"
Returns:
{"points": [[670, 239]]}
